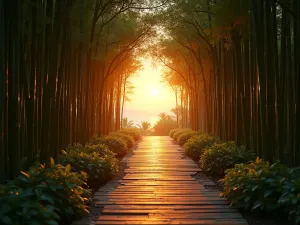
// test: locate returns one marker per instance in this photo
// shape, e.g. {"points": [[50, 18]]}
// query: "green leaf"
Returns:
{"points": [[68, 168], [297, 219], [34, 222], [6, 220], [255, 187], [48, 199], [52, 222], [4, 209], [257, 204], [25, 174], [267, 193], [247, 198], [52, 162]]}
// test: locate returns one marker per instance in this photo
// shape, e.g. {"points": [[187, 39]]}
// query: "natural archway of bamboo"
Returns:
{"points": [[233, 66]]}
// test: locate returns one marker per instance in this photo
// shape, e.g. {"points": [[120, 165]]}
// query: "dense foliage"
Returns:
{"points": [[196, 145], [101, 149], [68, 78], [179, 132], [222, 156], [115, 143], [130, 142], [185, 136], [233, 67], [172, 132], [264, 187], [133, 132], [163, 126], [99, 168], [44, 195]]}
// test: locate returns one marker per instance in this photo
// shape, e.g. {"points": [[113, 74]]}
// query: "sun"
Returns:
{"points": [[153, 92]]}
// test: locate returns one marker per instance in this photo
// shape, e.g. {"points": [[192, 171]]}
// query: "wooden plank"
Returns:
{"points": [[174, 221], [159, 188], [164, 207], [166, 211], [216, 202]]}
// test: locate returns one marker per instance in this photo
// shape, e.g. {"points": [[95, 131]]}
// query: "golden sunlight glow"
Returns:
{"points": [[153, 92], [151, 96]]}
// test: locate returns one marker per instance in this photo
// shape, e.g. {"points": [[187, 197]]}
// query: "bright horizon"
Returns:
{"points": [[150, 96]]}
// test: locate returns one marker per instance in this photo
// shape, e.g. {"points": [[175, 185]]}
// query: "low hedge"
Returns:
{"points": [[179, 132], [222, 156], [99, 168], [172, 132], [185, 136], [195, 146], [133, 132], [114, 143], [259, 186], [101, 149], [44, 195], [127, 138]]}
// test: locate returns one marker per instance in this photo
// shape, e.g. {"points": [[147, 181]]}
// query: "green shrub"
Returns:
{"points": [[195, 146], [171, 132], [179, 132], [101, 149], [220, 157], [114, 143], [24, 206], [185, 136], [133, 132], [290, 198], [127, 138], [98, 168], [55, 188], [257, 185]]}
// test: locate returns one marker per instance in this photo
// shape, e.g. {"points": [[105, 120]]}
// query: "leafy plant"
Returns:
{"points": [[220, 157], [195, 146], [101, 149], [98, 168], [127, 138], [257, 185], [179, 132], [114, 143], [133, 132], [185, 136], [58, 190], [290, 198], [171, 133], [24, 206]]}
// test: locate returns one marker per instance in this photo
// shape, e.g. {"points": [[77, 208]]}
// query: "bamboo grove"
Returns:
{"points": [[65, 66], [237, 65]]}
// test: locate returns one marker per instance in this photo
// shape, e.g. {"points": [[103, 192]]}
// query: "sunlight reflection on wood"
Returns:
{"points": [[159, 188]]}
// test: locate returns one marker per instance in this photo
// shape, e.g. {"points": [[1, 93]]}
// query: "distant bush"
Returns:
{"points": [[195, 146], [133, 132], [220, 157], [171, 133], [163, 126], [179, 132], [44, 195], [127, 138], [185, 136], [99, 169], [114, 143]]}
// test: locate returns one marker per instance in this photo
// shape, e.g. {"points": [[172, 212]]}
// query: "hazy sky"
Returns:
{"points": [[151, 96]]}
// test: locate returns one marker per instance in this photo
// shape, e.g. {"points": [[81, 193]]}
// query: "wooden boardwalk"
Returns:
{"points": [[159, 187]]}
